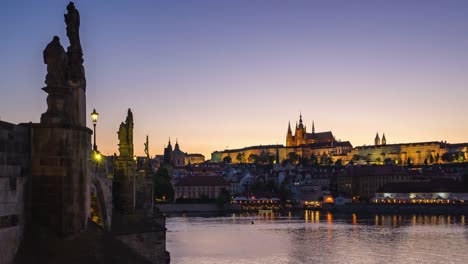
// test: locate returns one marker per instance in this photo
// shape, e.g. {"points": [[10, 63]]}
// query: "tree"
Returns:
{"points": [[265, 157], [339, 162], [326, 160], [240, 157], [227, 159], [431, 159], [293, 157], [313, 159], [448, 157], [408, 162], [163, 189], [356, 157], [304, 161], [254, 158], [378, 160]]}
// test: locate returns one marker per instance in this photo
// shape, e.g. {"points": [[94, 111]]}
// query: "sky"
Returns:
{"points": [[229, 74]]}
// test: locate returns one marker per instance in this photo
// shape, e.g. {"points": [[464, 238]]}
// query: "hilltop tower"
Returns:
{"points": [[377, 140], [168, 153], [300, 134]]}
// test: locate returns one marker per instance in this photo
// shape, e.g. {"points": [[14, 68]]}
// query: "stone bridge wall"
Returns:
{"points": [[14, 174], [101, 186]]}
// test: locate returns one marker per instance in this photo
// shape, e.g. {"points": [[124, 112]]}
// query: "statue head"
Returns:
{"points": [[70, 6]]}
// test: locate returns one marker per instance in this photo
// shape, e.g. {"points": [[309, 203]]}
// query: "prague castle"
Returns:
{"points": [[306, 145], [324, 146], [301, 137]]}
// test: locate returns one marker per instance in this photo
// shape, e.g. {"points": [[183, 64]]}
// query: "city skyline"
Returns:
{"points": [[221, 74]]}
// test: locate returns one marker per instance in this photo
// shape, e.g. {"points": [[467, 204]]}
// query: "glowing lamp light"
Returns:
{"points": [[94, 116], [97, 156], [134, 158]]}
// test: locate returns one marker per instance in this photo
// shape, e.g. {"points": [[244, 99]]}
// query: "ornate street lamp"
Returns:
{"points": [[94, 117]]}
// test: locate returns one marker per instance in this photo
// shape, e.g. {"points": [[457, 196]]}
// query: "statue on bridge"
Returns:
{"points": [[76, 74], [126, 136], [56, 60], [147, 148]]}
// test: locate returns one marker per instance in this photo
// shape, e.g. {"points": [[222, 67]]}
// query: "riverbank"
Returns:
{"points": [[348, 208], [189, 207], [399, 208]]}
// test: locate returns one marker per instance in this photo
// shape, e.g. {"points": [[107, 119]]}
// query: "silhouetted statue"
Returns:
{"points": [[56, 60], [76, 73], [123, 133], [146, 147], [126, 136], [72, 19]]}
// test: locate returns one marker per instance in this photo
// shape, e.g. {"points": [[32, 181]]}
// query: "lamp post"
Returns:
{"points": [[94, 117], [134, 185]]}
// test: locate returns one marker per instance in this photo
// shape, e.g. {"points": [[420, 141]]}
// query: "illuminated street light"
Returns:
{"points": [[94, 118]]}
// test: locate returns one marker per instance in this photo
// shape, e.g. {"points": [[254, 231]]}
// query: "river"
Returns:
{"points": [[317, 237]]}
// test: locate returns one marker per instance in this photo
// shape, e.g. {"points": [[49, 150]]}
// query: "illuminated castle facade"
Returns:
{"points": [[301, 137]]}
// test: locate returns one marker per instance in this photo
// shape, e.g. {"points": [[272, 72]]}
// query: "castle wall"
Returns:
{"points": [[417, 153]]}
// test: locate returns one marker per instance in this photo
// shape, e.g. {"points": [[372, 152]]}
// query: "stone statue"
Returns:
{"points": [[56, 60], [146, 147], [125, 134], [76, 73], [72, 19], [129, 123]]}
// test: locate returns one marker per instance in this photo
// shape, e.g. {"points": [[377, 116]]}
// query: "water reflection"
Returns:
{"points": [[318, 237]]}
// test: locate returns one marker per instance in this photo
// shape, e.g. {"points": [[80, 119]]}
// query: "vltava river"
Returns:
{"points": [[317, 237]]}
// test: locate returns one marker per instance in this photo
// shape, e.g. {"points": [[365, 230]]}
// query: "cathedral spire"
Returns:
{"points": [[384, 140], [377, 139], [176, 147], [313, 127], [289, 128]]}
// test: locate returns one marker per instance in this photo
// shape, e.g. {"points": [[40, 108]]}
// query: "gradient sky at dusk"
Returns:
{"points": [[233, 73]]}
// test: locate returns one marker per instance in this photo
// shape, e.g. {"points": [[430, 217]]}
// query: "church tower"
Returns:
{"points": [[300, 133], [168, 153], [289, 136], [384, 141], [377, 140]]}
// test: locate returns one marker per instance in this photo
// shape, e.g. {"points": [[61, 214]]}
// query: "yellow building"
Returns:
{"points": [[418, 153]]}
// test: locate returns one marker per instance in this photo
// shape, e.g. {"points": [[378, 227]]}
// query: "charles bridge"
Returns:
{"points": [[60, 199]]}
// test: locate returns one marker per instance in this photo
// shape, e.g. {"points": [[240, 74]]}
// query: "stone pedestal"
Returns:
{"points": [[60, 178], [125, 176], [58, 106]]}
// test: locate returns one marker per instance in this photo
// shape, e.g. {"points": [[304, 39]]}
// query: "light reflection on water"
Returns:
{"points": [[317, 237]]}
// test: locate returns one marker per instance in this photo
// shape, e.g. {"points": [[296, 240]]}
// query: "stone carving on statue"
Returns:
{"points": [[56, 60]]}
